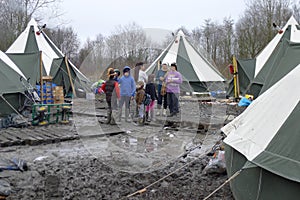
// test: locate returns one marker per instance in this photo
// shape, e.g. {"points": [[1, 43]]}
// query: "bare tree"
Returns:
{"points": [[66, 40], [86, 59], [296, 10], [130, 42], [15, 15], [254, 29]]}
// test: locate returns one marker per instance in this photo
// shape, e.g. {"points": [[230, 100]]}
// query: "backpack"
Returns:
{"points": [[147, 99]]}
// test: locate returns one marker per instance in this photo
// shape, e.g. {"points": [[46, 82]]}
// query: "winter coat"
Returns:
{"points": [[160, 73], [111, 88], [140, 95], [173, 81], [127, 85], [143, 76], [150, 89]]}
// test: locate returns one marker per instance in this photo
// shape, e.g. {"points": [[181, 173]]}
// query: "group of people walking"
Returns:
{"points": [[164, 86]]}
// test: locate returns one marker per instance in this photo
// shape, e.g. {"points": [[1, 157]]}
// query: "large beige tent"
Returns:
{"points": [[196, 69], [32, 41]]}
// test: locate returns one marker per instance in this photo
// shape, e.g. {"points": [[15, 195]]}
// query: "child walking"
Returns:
{"points": [[150, 89], [112, 92], [140, 95]]}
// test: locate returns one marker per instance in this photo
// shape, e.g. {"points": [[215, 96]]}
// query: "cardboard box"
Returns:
{"points": [[58, 95]]}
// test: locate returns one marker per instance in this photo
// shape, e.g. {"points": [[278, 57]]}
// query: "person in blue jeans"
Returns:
{"points": [[162, 99], [127, 91]]}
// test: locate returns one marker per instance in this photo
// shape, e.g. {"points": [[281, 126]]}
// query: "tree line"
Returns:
{"points": [[128, 44]]}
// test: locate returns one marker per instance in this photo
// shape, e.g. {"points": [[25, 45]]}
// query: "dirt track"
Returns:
{"points": [[79, 169], [67, 171]]}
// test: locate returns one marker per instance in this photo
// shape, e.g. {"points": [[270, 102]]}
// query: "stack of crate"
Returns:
{"points": [[47, 90], [58, 94]]}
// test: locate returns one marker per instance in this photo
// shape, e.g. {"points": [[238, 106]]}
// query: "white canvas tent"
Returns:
{"points": [[252, 73], [11, 88], [194, 67], [264, 141], [265, 54], [33, 40]]}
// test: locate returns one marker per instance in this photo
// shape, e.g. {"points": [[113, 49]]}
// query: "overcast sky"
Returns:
{"points": [[91, 17]]}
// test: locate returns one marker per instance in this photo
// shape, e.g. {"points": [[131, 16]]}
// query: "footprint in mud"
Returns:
{"points": [[52, 184]]}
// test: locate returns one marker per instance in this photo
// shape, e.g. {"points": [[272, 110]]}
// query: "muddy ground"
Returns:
{"points": [[79, 169]]}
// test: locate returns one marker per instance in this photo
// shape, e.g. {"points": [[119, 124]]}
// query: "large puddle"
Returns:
{"points": [[138, 149]]}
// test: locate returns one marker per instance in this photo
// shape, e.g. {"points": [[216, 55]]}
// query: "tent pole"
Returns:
{"points": [[235, 78], [158, 65], [70, 77], [13, 108], [41, 78]]}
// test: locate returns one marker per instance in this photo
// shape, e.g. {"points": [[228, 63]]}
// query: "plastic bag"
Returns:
{"points": [[216, 164]]}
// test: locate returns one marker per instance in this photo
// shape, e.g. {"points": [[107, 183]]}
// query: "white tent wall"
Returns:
{"points": [[204, 71], [251, 132], [10, 63]]}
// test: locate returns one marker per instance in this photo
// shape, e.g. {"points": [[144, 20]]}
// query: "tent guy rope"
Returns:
{"points": [[145, 188], [227, 181]]}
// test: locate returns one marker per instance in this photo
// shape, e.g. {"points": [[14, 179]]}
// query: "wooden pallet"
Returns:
{"points": [[36, 135]]}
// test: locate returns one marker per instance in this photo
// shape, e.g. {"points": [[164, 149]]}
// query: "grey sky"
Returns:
{"points": [[91, 17]]}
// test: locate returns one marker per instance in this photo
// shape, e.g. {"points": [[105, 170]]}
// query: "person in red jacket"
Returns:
{"points": [[112, 92]]}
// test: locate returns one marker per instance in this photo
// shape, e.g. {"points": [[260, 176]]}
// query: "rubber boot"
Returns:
{"points": [[127, 119], [119, 115], [147, 117], [164, 112], [151, 115], [108, 116], [136, 111], [113, 116]]}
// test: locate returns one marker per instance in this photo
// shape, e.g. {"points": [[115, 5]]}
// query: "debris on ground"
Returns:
{"points": [[5, 189], [13, 164], [216, 164]]}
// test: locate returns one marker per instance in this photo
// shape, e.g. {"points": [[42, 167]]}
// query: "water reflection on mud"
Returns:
{"points": [[140, 144]]}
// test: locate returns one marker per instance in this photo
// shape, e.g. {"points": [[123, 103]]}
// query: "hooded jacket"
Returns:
{"points": [[127, 84]]}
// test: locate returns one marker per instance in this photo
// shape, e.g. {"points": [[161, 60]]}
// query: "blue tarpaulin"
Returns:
{"points": [[244, 102]]}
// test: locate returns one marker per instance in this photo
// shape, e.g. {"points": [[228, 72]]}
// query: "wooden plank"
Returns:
{"points": [[13, 139], [33, 135], [45, 138], [44, 135], [24, 134], [53, 133], [16, 135], [9, 136], [3, 139]]}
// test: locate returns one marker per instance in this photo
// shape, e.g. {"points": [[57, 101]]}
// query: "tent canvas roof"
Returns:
{"points": [[9, 63], [25, 43], [29, 64], [254, 70], [267, 133], [30, 42], [283, 59], [10, 76], [264, 55]]}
